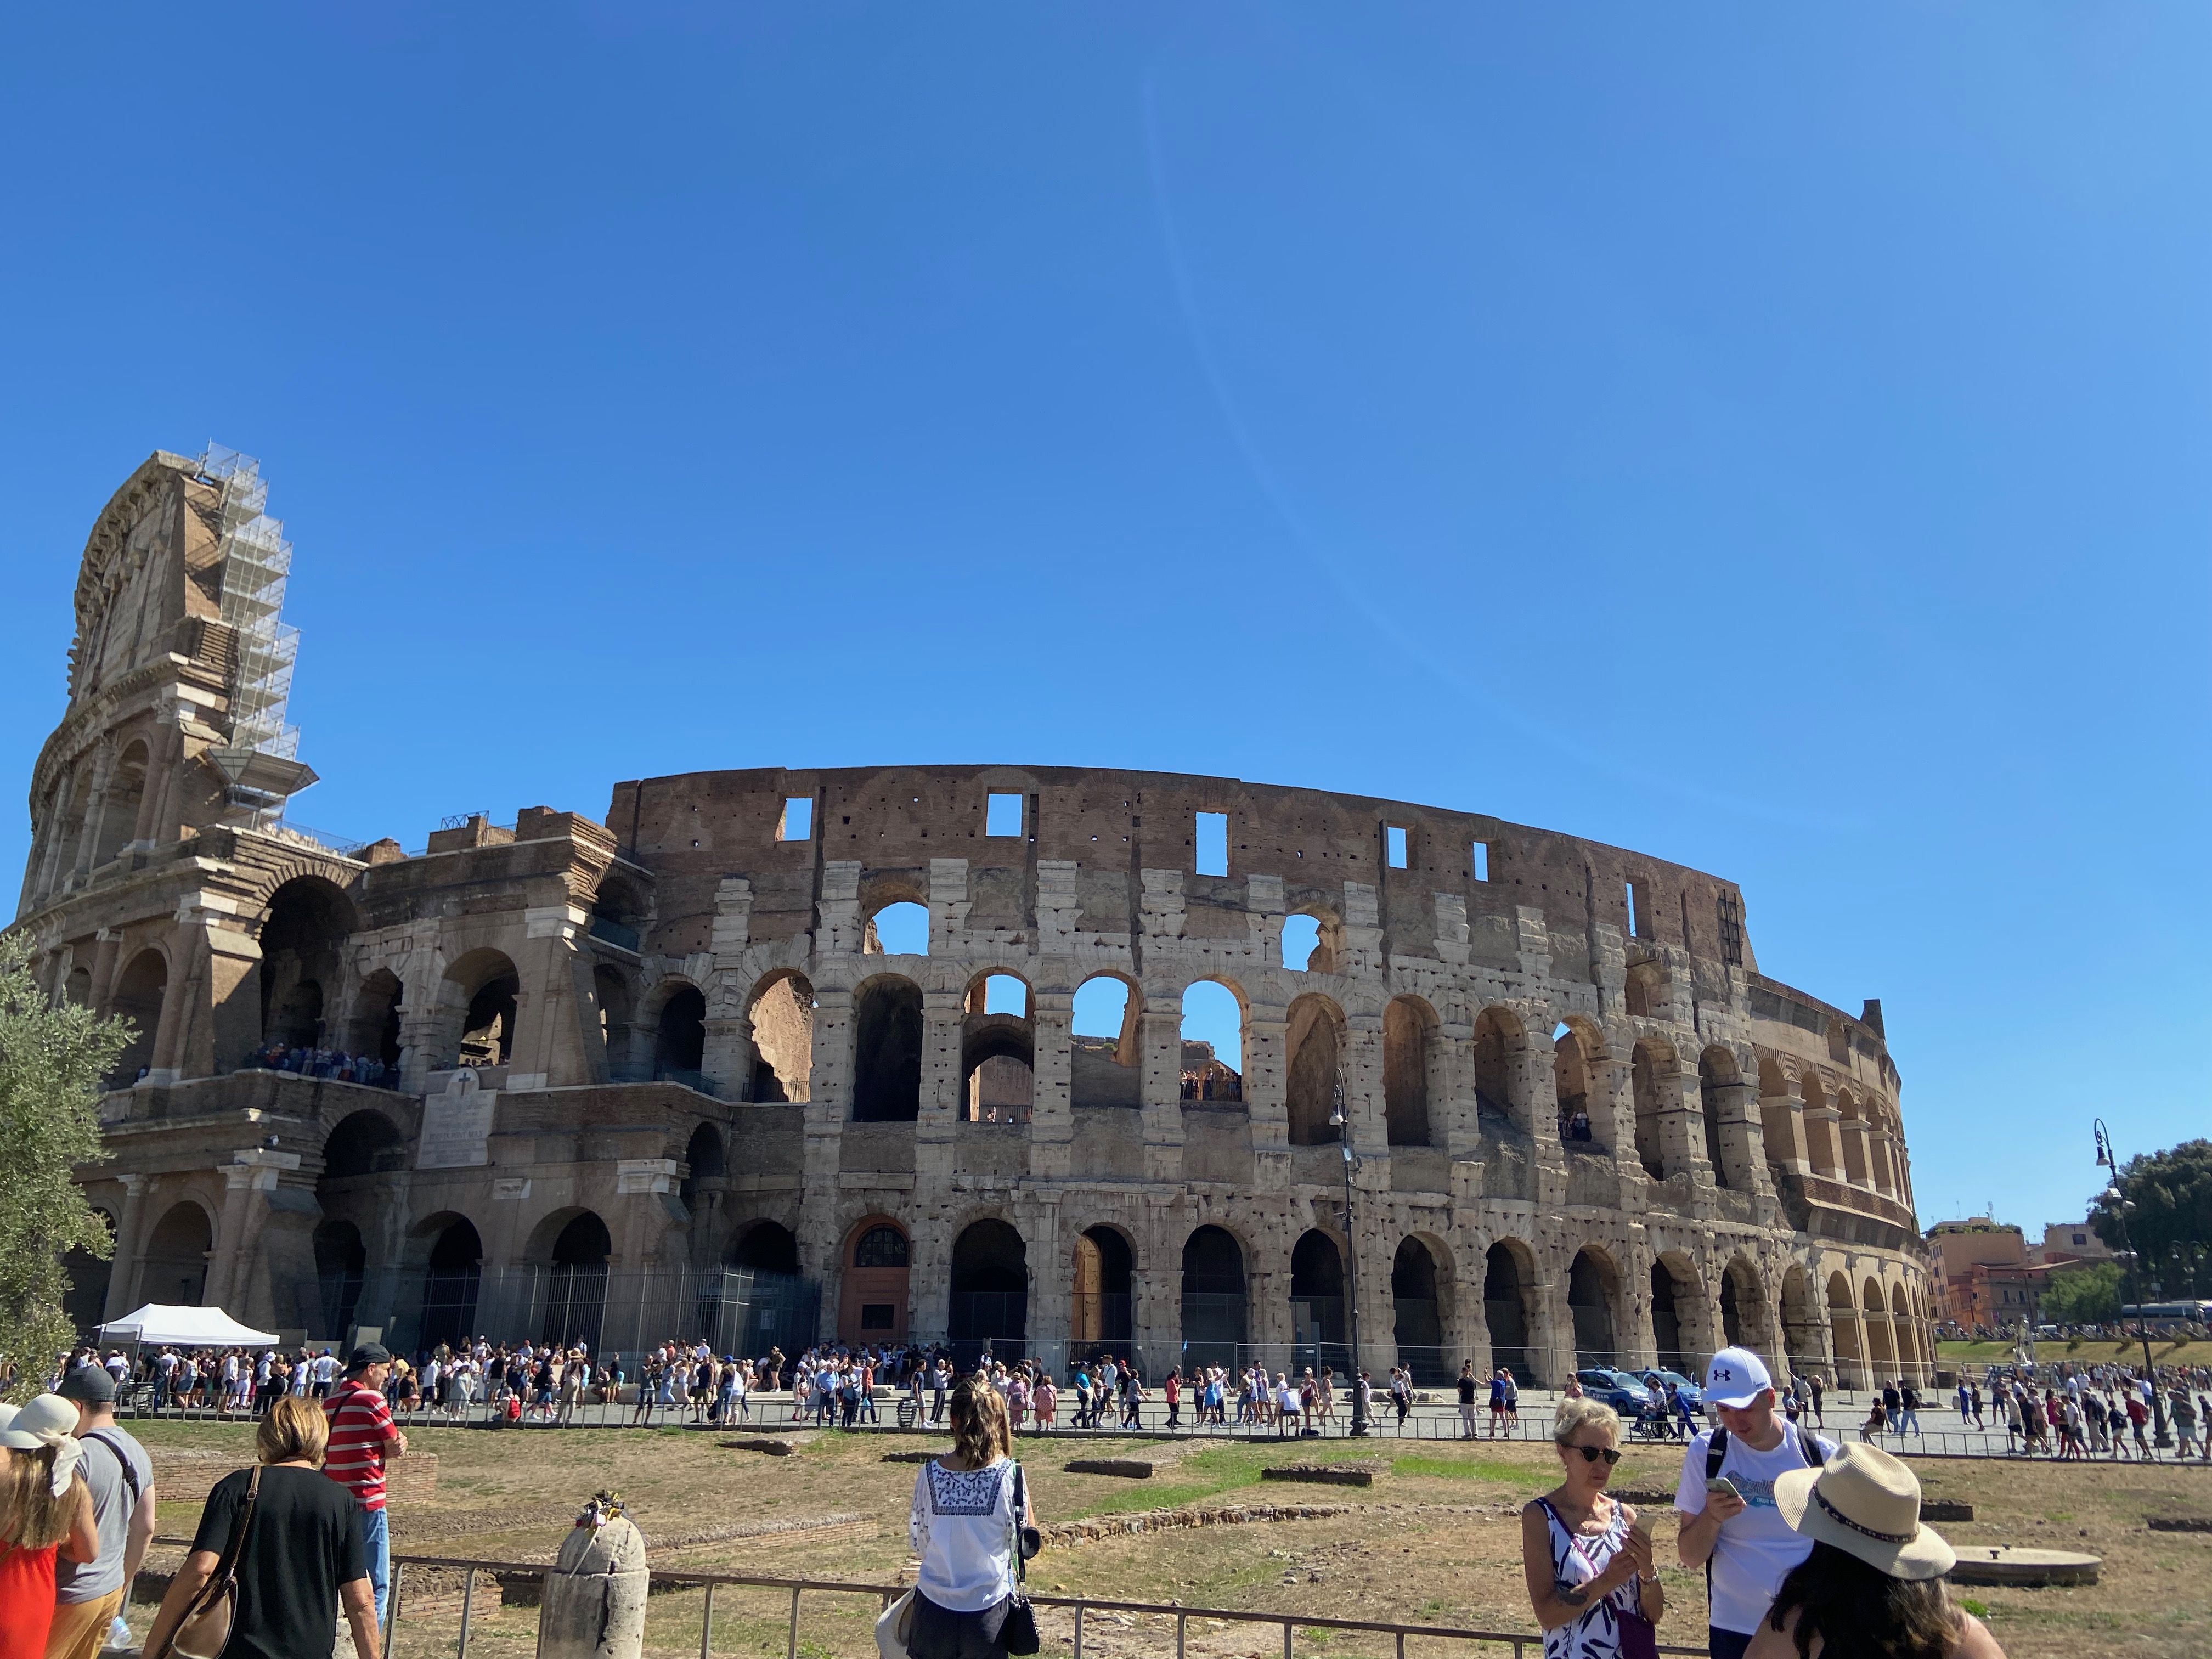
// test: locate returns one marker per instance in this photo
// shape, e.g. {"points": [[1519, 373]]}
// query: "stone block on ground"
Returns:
{"points": [[771, 1447], [1126, 1469], [2004, 1564], [1334, 1474]]}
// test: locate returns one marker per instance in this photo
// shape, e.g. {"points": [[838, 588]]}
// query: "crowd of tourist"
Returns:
{"points": [[333, 1063]]}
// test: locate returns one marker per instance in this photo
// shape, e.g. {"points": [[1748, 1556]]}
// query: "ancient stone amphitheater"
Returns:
{"points": [[1053, 1057]]}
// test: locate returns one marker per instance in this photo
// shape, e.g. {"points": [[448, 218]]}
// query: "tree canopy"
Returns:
{"points": [[2086, 1295], [54, 1062], [2172, 1192]]}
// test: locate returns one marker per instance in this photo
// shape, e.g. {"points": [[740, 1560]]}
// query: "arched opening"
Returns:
{"points": [[703, 1154], [619, 911], [77, 990], [1844, 1333], [1645, 1071], [1408, 1052], [127, 791], [1901, 1332], [1498, 1044], [704, 1184], [1317, 1301], [783, 1041], [373, 1031], [1679, 1336], [1775, 1115], [990, 1297], [1105, 1269], [451, 1279], [1571, 1083], [1717, 1069], [1593, 1301], [302, 945], [1508, 1279], [1645, 989], [997, 1052], [177, 1257], [1105, 1068], [340, 1269], [363, 1143], [897, 930], [1212, 1042], [764, 1299], [486, 985], [1301, 940], [1213, 1297], [872, 1300], [1744, 1322], [85, 1301], [576, 1283], [1418, 1325], [887, 1051], [679, 1043], [138, 996], [615, 1005], [1316, 1044]]}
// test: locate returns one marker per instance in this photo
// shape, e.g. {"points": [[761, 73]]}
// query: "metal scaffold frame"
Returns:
{"points": [[256, 561]]}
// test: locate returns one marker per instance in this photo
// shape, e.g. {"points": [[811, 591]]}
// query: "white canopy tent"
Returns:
{"points": [[184, 1327]]}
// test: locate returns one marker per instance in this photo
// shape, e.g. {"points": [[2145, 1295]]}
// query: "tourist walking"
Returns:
{"points": [[299, 1546], [361, 1436], [966, 1525], [120, 1476], [1586, 1560], [1726, 1497], [1872, 1578]]}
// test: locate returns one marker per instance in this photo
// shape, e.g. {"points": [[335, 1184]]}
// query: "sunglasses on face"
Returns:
{"points": [[1591, 1454]]}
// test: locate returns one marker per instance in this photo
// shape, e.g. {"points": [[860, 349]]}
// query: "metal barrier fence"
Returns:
{"points": [[1520, 1641]]}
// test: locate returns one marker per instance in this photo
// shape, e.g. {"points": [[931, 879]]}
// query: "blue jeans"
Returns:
{"points": [[1726, 1643], [376, 1536]]}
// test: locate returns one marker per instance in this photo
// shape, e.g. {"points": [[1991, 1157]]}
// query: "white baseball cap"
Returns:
{"points": [[1736, 1376]]}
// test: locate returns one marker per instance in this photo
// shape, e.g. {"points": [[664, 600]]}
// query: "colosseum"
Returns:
{"points": [[1046, 1056]]}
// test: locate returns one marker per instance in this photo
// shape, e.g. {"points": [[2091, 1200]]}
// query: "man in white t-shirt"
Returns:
{"points": [[1750, 1546]]}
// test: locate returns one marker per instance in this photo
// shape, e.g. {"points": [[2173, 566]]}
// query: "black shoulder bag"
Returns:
{"points": [[1019, 1632]]}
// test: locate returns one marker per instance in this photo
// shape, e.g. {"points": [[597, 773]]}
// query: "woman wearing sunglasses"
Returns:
{"points": [[1588, 1567]]}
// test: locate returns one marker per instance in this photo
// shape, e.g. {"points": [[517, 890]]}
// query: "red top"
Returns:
{"points": [[360, 1428], [27, 1600]]}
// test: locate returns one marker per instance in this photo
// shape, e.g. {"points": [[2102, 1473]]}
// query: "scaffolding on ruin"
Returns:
{"points": [[256, 561]]}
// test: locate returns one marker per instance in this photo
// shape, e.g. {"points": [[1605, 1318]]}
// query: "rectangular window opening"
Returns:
{"points": [[1213, 843], [1639, 920], [876, 1316], [1002, 815], [798, 821], [1482, 861], [1394, 846], [1731, 927]]}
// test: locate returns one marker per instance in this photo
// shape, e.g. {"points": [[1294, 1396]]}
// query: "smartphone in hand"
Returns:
{"points": [[1722, 1486]]}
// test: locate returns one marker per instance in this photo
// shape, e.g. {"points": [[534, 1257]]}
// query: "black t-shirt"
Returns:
{"points": [[1466, 1391], [305, 1541]]}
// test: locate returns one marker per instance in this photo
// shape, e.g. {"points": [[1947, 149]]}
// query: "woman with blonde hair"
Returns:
{"points": [[970, 1507], [1587, 1562], [295, 1542], [45, 1510]]}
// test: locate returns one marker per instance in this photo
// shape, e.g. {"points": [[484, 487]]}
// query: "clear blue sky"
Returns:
{"points": [[1774, 441]]}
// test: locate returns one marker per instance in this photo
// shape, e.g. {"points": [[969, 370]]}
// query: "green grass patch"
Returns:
{"points": [[1535, 1478]]}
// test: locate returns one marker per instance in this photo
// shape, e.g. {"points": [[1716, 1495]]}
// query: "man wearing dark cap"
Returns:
{"points": [[362, 1436], [89, 1595]]}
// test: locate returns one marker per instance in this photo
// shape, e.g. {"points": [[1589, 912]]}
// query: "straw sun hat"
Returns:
{"points": [[1865, 1501]]}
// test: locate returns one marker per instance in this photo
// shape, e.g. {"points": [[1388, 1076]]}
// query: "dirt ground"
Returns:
{"points": [[1435, 1540]]}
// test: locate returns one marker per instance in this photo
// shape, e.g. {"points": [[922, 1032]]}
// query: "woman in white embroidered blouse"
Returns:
{"points": [[966, 1505]]}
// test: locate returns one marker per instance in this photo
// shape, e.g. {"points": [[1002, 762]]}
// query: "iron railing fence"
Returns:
{"points": [[1521, 1642]]}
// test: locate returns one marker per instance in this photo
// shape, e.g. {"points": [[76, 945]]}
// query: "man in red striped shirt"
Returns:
{"points": [[362, 1436]]}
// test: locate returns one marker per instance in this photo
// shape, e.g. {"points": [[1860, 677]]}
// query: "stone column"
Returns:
{"points": [[1682, 1123], [1052, 1117], [96, 811], [1159, 1037], [129, 1249], [1741, 1155], [1265, 1097], [1367, 1127], [251, 1171]]}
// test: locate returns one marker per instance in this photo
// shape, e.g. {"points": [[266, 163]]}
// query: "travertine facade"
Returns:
{"points": [[671, 1039]]}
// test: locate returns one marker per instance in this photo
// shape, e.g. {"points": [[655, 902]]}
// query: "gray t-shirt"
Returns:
{"points": [[112, 1508]]}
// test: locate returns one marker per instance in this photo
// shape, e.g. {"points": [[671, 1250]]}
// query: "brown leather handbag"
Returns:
{"points": [[204, 1631]]}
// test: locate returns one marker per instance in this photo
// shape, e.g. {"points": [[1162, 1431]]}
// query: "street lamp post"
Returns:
{"points": [[2118, 1200], [1343, 1128]]}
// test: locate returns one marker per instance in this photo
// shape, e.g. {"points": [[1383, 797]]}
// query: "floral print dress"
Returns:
{"points": [[1578, 1558]]}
